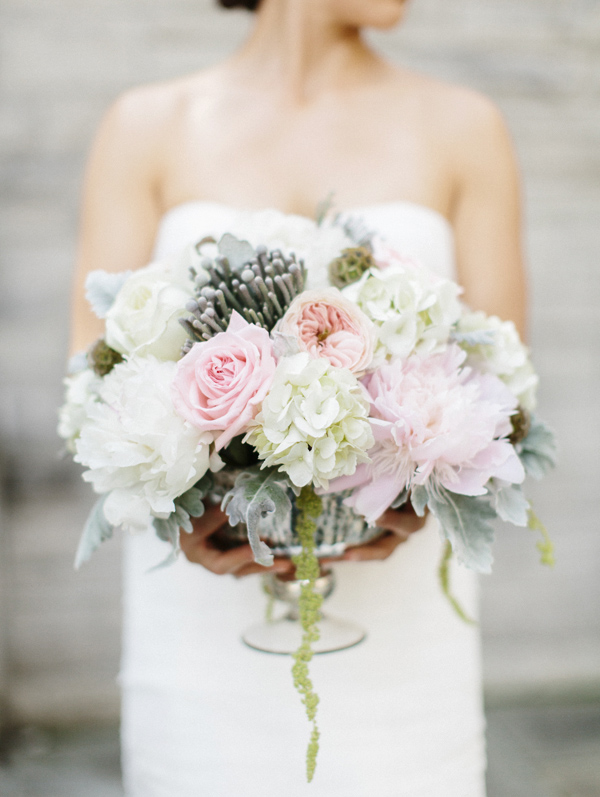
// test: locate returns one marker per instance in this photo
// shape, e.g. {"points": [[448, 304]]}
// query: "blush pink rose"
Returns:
{"points": [[221, 383], [326, 324]]}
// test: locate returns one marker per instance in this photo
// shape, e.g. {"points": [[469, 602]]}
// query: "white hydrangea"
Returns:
{"points": [[144, 318], [413, 310], [80, 389], [505, 355], [313, 424], [316, 244], [136, 447]]}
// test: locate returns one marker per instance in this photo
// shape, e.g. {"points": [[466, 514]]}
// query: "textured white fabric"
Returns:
{"points": [[400, 714]]}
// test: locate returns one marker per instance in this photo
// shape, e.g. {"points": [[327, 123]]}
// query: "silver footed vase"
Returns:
{"points": [[338, 527]]}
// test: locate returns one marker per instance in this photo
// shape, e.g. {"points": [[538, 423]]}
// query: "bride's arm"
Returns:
{"points": [[487, 216], [119, 205], [120, 215], [487, 230]]}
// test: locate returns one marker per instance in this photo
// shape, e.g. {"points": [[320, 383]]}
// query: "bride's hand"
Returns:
{"points": [[201, 547], [398, 525]]}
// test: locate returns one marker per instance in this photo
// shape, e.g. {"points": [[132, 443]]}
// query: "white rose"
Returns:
{"points": [[144, 319]]}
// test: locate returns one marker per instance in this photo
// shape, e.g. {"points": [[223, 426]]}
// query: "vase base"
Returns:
{"points": [[284, 636]]}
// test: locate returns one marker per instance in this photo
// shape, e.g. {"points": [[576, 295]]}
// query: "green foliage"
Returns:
{"points": [[545, 546], [97, 529], [188, 505], [465, 522], [444, 577], [537, 451], [309, 508], [256, 495]]}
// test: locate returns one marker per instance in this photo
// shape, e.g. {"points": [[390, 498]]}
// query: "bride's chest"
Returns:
{"points": [[266, 157]]}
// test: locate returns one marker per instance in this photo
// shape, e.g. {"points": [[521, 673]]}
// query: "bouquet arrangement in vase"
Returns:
{"points": [[313, 378]]}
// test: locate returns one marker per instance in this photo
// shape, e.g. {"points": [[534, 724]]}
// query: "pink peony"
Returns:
{"points": [[220, 384], [328, 325], [434, 422]]}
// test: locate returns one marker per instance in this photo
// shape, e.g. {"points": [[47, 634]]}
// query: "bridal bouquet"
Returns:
{"points": [[311, 361]]}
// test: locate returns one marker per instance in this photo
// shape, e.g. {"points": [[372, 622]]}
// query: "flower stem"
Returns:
{"points": [[444, 577], [545, 546], [309, 508]]}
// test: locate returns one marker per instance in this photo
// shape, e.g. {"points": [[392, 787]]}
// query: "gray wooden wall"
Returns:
{"points": [[63, 61]]}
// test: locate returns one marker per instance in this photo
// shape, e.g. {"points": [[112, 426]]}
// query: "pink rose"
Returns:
{"points": [[326, 324], [221, 383]]}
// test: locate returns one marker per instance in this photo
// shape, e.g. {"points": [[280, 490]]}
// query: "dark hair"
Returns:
{"points": [[251, 5]]}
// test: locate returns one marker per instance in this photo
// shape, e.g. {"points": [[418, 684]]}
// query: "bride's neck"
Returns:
{"points": [[298, 48]]}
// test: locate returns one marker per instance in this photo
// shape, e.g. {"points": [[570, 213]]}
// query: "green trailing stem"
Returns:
{"points": [[309, 507], [444, 577], [545, 546]]}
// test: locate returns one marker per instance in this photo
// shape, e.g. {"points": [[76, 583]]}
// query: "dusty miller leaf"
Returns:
{"points": [[237, 252], [509, 502], [464, 520], [101, 289], [167, 530], [256, 495], [418, 499], [97, 529], [537, 451], [400, 500], [478, 337]]}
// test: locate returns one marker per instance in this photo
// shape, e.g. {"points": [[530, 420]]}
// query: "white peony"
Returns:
{"points": [[136, 447], [413, 310], [317, 245], [313, 424], [81, 388], [144, 319], [505, 355]]}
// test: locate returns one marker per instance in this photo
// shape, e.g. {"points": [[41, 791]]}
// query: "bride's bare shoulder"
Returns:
{"points": [[145, 114], [460, 115]]}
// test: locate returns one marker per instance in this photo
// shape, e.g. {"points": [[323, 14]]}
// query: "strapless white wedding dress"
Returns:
{"points": [[400, 714]]}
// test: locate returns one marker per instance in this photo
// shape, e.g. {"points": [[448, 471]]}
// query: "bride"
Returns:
{"points": [[304, 108]]}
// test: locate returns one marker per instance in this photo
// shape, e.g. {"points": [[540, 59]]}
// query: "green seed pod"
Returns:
{"points": [[102, 358], [350, 266], [521, 423]]}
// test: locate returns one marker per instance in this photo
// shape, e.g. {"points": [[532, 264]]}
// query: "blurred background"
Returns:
{"points": [[63, 63]]}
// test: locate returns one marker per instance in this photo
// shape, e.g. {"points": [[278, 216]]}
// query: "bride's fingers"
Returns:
{"points": [[238, 561], [380, 548], [402, 523], [282, 567], [212, 520]]}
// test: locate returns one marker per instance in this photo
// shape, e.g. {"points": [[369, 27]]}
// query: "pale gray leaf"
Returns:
{"points": [[510, 503], [191, 501], [101, 289], [256, 495], [97, 529], [477, 337], [400, 500], [418, 499], [77, 362], [167, 530], [237, 252], [537, 451], [464, 520], [284, 345]]}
